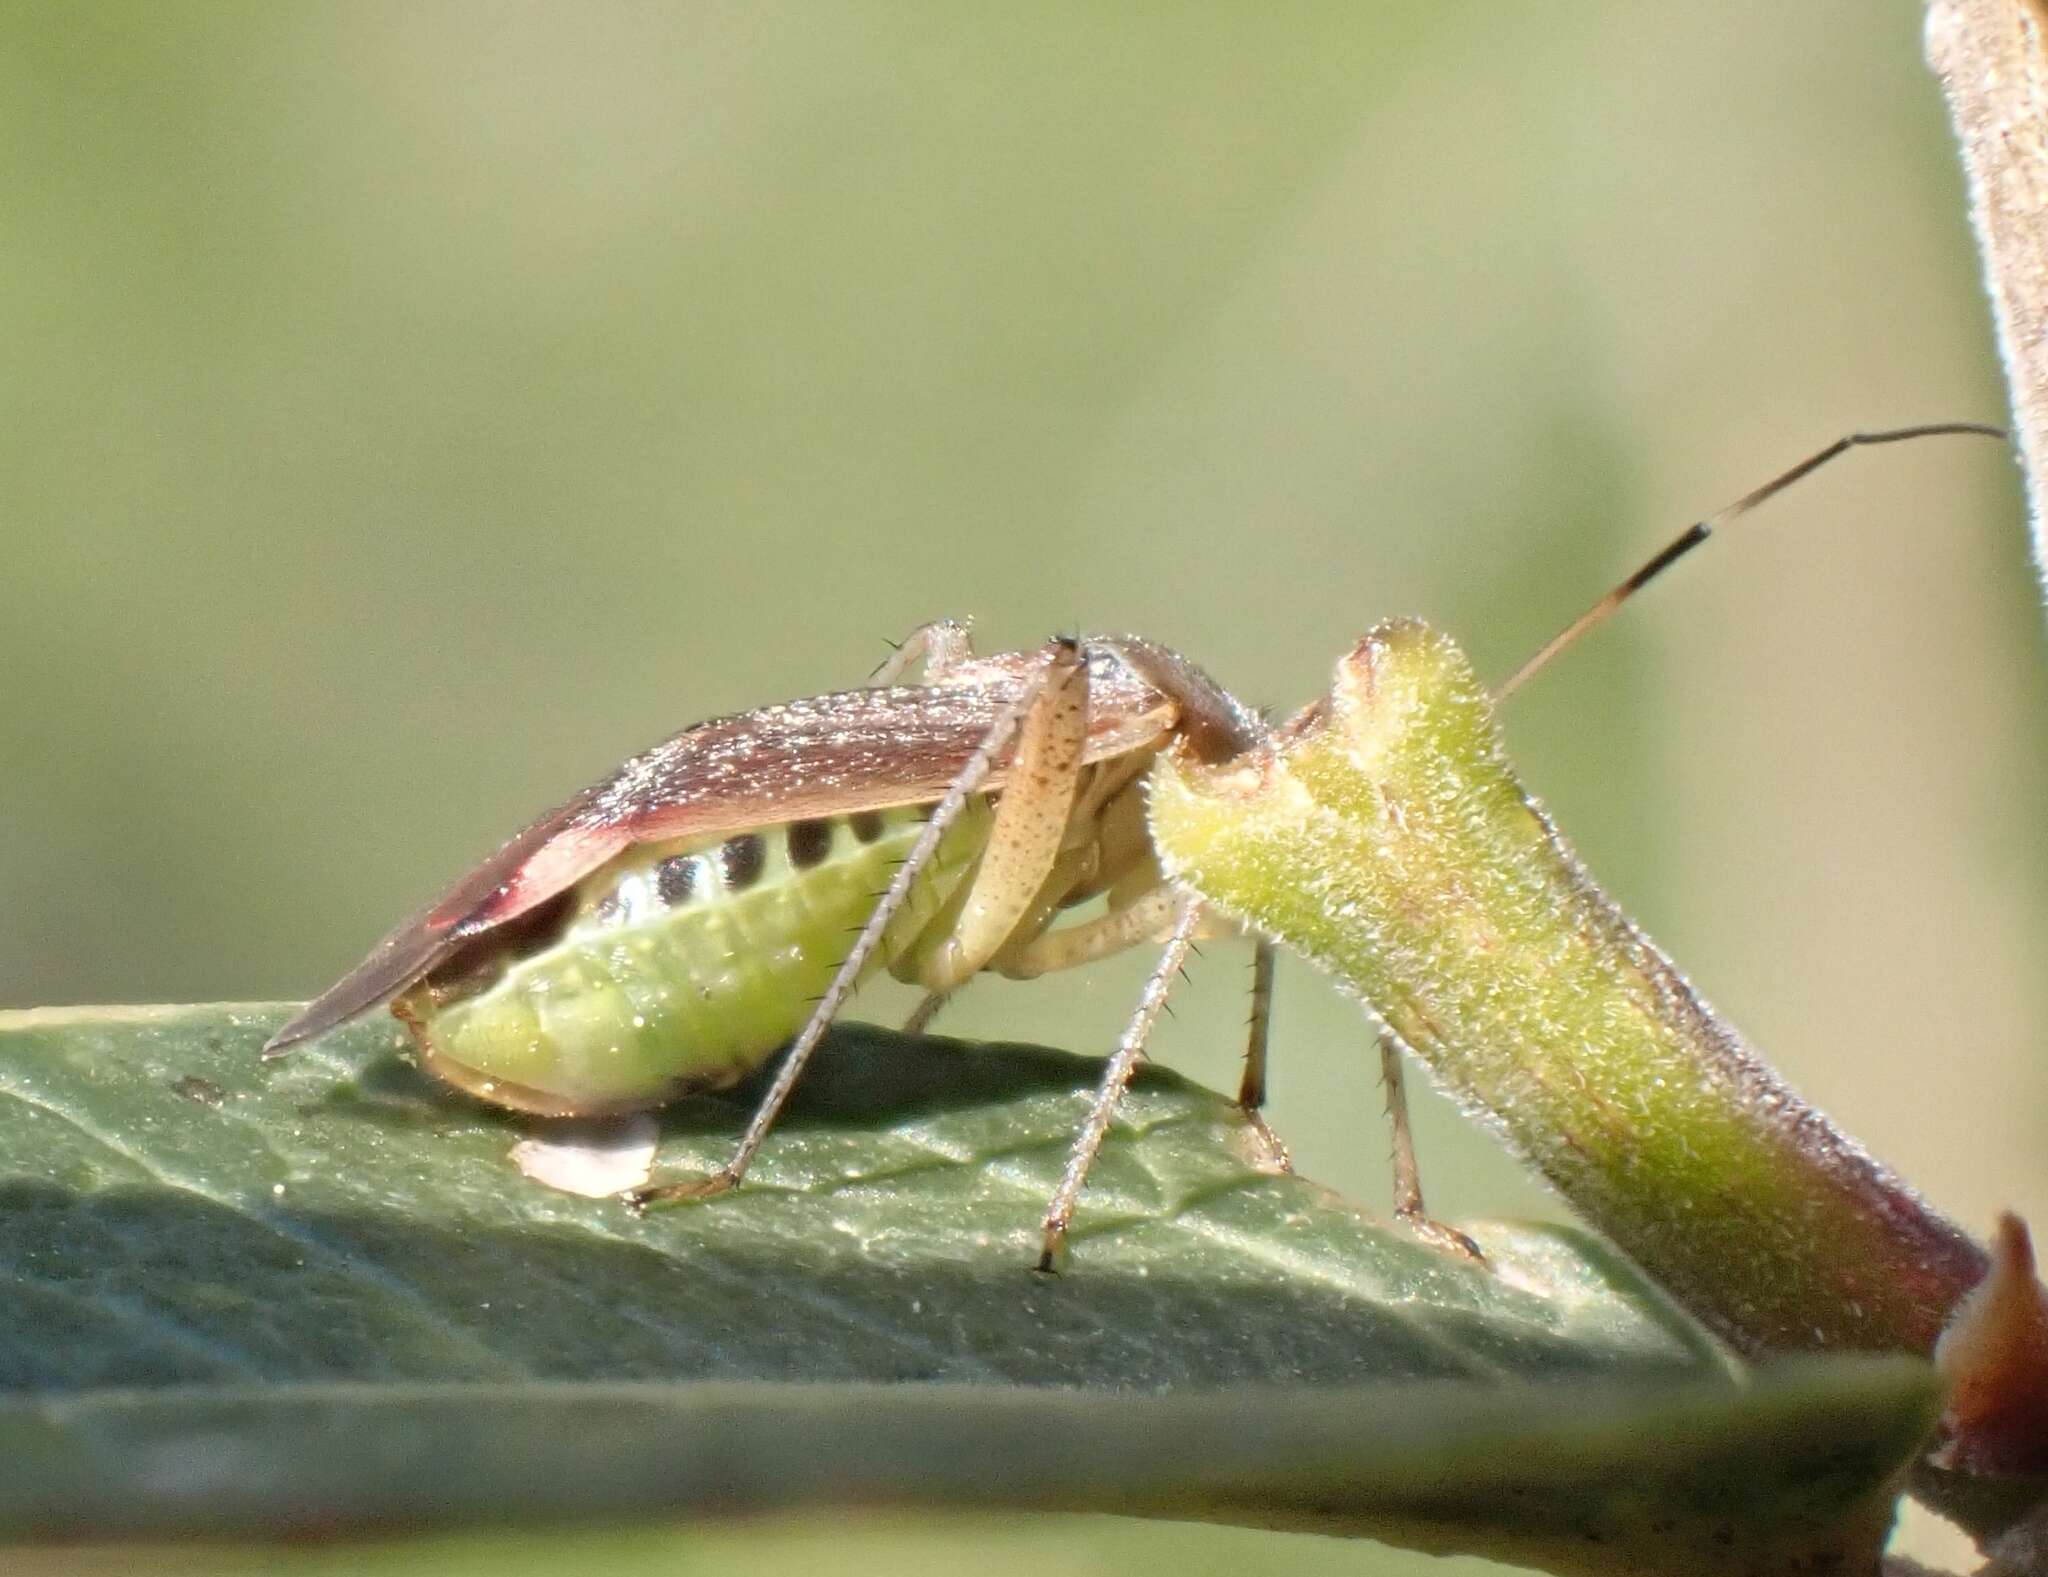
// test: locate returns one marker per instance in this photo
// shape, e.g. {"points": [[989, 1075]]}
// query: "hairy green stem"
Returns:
{"points": [[1384, 836]]}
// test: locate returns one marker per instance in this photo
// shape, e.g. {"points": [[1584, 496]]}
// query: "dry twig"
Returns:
{"points": [[1992, 58]]}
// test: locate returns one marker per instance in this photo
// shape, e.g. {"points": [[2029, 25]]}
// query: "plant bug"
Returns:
{"points": [[670, 928]]}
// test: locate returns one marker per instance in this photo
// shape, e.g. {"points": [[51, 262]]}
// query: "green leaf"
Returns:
{"points": [[314, 1294]]}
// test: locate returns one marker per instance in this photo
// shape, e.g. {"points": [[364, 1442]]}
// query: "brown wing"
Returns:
{"points": [[828, 756]]}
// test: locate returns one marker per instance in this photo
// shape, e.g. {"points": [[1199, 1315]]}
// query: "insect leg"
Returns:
{"points": [[1251, 1089], [939, 645], [1024, 839], [1065, 871], [1407, 1176], [928, 1009], [1061, 873], [1116, 1077], [1149, 917], [1060, 658]]}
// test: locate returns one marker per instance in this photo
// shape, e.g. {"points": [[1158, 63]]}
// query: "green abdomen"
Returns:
{"points": [[676, 967]]}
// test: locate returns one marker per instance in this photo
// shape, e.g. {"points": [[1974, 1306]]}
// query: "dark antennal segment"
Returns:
{"points": [[1693, 535]]}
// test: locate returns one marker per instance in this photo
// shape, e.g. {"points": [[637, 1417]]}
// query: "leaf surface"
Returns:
{"points": [[314, 1295]]}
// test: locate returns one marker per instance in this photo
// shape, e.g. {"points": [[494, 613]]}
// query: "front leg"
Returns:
{"points": [[1024, 839], [1048, 689], [1251, 1088], [1408, 1209]]}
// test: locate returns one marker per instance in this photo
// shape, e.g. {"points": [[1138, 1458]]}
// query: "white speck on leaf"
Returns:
{"points": [[592, 1159]]}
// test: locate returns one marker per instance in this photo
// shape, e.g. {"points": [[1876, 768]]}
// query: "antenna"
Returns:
{"points": [[1698, 532]]}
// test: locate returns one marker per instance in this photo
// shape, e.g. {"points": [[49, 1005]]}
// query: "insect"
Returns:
{"points": [[672, 927]]}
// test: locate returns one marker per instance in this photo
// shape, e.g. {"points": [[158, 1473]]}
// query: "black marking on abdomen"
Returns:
{"points": [[866, 824], [809, 843], [741, 860], [675, 878]]}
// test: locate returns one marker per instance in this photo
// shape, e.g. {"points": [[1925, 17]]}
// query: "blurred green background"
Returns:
{"points": [[412, 409]]}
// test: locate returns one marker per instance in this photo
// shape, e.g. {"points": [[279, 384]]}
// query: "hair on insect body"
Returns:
{"points": [[674, 926]]}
